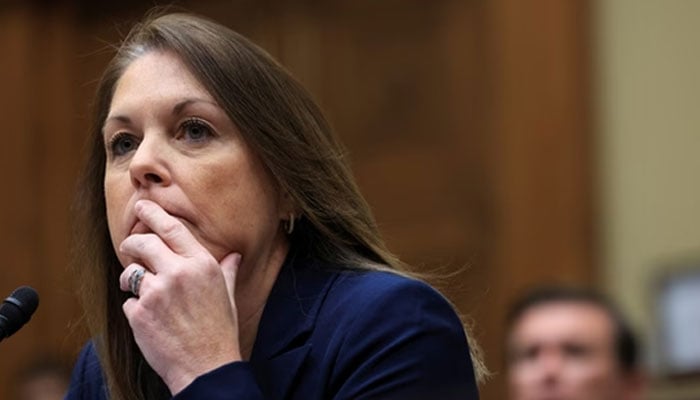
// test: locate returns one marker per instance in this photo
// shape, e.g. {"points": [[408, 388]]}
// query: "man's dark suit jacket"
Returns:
{"points": [[332, 333]]}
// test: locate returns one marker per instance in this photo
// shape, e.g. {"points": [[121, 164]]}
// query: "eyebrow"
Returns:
{"points": [[177, 109]]}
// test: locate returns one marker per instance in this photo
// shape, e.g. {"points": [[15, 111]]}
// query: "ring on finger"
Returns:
{"points": [[135, 280]]}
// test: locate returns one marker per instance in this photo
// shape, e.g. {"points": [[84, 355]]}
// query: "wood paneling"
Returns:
{"points": [[466, 121], [39, 161], [541, 161]]}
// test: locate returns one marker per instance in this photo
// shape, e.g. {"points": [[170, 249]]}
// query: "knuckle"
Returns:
{"points": [[139, 318], [212, 270], [205, 265], [130, 244], [181, 277], [172, 229]]}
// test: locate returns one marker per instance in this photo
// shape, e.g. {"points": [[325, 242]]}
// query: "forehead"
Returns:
{"points": [[563, 321], [158, 75]]}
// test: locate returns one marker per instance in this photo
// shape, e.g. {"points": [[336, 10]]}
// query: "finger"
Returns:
{"points": [[229, 268], [173, 232], [129, 307], [149, 249]]}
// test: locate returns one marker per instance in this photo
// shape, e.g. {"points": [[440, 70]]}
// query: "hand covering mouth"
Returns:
{"points": [[140, 227]]}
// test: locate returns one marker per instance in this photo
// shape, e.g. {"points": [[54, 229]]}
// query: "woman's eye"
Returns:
{"points": [[122, 143], [196, 131]]}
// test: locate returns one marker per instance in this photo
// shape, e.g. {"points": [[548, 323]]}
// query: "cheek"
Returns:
{"points": [[115, 203], [111, 189], [247, 201], [523, 376], [241, 206], [593, 377], [243, 188]]}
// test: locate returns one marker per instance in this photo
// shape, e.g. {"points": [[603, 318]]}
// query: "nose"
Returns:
{"points": [[550, 367], [149, 166]]}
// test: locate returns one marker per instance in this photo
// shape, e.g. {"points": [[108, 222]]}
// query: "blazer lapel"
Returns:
{"points": [[277, 375], [282, 343]]}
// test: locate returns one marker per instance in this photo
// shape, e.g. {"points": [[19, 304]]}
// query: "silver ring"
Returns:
{"points": [[135, 280]]}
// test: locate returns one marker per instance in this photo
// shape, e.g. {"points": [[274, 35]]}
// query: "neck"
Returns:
{"points": [[253, 288]]}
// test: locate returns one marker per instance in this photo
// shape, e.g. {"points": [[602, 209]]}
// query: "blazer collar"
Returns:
{"points": [[281, 345], [292, 306]]}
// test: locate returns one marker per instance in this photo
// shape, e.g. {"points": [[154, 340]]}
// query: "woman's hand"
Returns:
{"points": [[184, 319]]}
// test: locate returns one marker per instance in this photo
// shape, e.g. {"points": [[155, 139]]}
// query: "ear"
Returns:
{"points": [[287, 206]]}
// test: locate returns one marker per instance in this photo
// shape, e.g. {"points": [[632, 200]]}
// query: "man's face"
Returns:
{"points": [[564, 351]]}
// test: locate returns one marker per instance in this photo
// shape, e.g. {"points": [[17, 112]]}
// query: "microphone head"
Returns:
{"points": [[17, 309]]}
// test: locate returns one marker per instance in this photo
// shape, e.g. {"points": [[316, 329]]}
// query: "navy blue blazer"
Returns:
{"points": [[332, 333]]}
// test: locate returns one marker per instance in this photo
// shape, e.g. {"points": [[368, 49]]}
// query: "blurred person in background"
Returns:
{"points": [[571, 344], [45, 378]]}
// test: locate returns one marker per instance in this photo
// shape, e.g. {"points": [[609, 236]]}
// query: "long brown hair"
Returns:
{"points": [[285, 128]]}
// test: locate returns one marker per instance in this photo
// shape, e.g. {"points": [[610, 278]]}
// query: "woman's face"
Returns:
{"points": [[167, 140]]}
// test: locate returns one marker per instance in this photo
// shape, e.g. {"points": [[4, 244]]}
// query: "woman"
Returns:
{"points": [[226, 252]]}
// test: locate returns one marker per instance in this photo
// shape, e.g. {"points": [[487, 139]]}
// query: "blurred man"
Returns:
{"points": [[571, 345], [45, 378]]}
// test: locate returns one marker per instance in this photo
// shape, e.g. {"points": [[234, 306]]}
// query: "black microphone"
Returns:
{"points": [[17, 309]]}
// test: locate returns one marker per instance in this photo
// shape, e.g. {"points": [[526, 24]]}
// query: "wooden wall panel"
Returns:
{"points": [[466, 122], [541, 161], [60, 138], [17, 222], [39, 162]]}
